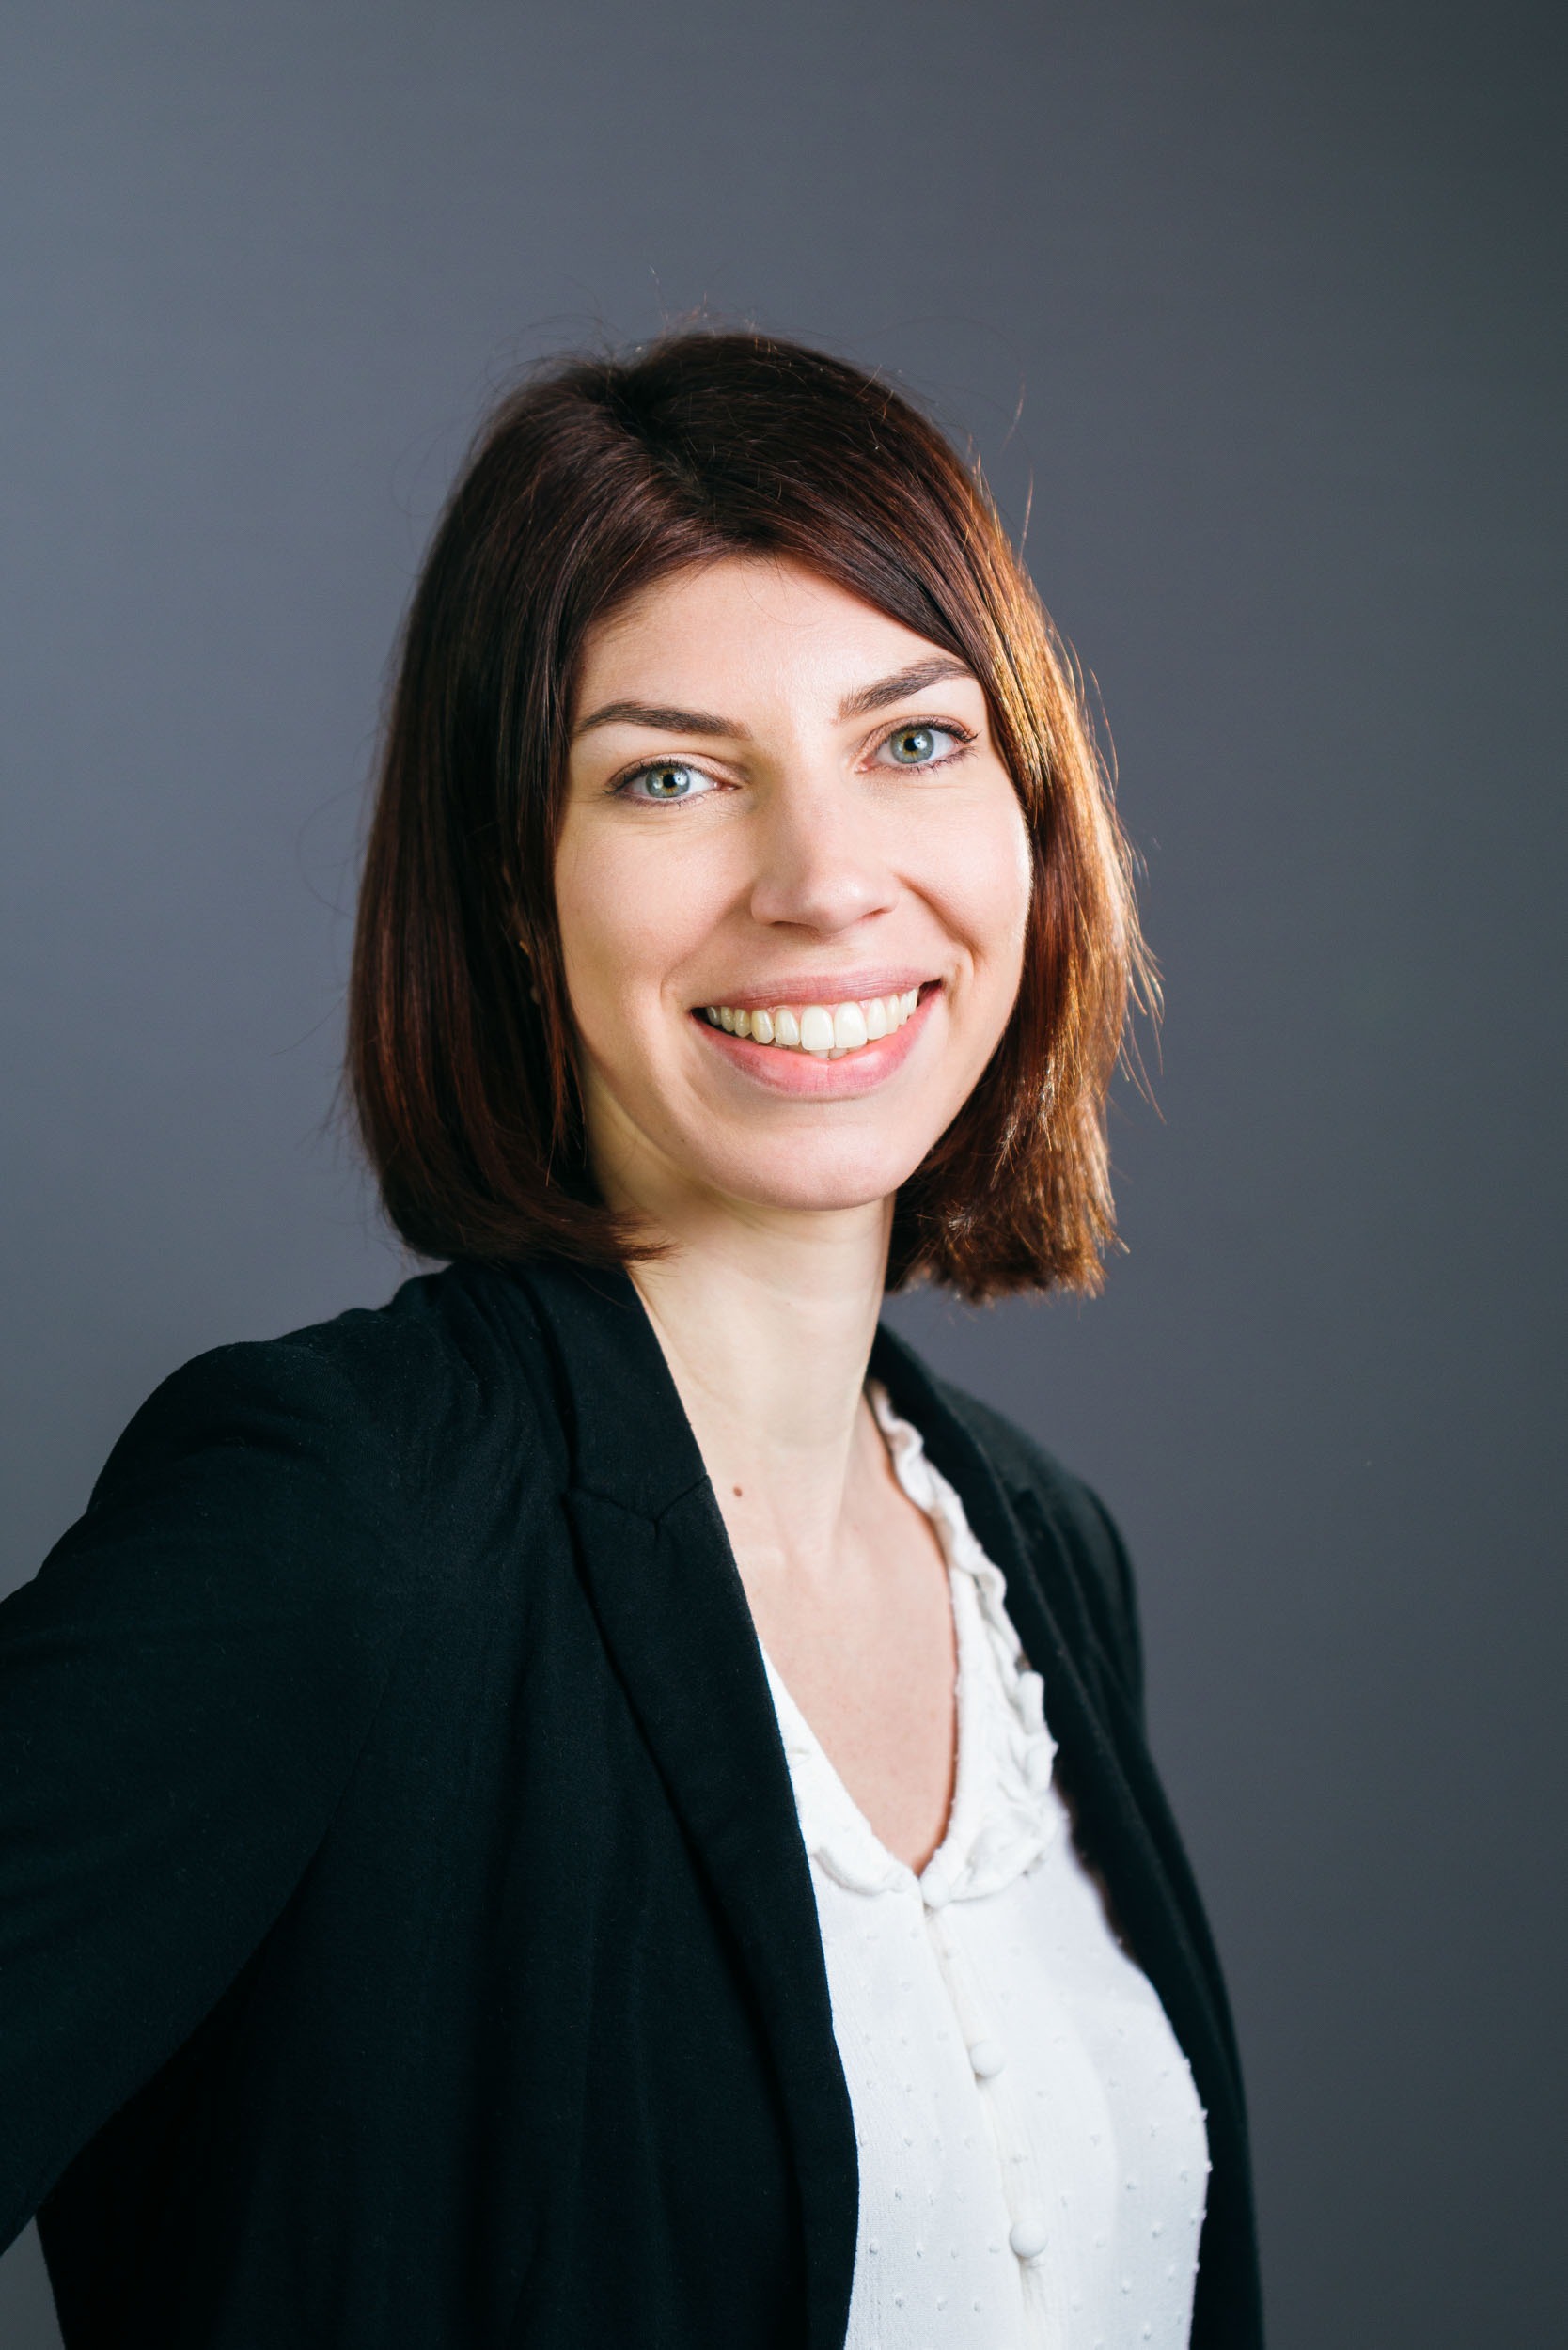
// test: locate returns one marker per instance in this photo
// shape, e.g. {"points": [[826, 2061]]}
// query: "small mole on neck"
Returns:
{"points": [[738, 1494]]}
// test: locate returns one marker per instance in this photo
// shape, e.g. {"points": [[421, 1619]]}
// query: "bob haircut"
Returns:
{"points": [[596, 478]]}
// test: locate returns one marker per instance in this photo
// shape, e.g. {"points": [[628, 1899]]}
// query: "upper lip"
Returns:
{"points": [[821, 987]]}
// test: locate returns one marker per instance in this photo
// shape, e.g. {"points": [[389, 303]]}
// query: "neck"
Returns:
{"points": [[766, 1321]]}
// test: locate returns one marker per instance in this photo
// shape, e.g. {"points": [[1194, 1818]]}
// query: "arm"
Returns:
{"points": [[183, 1690]]}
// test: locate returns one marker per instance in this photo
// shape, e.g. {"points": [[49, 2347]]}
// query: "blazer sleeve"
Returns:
{"points": [[184, 1687]]}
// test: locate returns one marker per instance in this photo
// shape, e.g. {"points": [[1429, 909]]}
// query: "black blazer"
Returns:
{"points": [[406, 1940]]}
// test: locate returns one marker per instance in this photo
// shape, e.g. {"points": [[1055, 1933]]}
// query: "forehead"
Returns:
{"points": [[751, 629]]}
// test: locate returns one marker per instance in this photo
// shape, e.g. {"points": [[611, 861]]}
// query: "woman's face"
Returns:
{"points": [[787, 809]]}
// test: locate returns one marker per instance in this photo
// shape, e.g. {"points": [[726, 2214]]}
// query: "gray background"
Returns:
{"points": [[1277, 290]]}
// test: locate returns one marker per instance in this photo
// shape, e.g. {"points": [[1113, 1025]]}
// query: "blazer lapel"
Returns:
{"points": [[663, 1582]]}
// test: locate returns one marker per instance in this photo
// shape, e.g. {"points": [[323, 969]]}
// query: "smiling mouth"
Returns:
{"points": [[825, 1031]]}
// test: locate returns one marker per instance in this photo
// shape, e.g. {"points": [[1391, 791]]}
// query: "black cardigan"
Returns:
{"points": [[406, 1941]]}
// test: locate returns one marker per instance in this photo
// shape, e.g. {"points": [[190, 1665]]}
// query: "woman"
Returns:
{"points": [[601, 1804]]}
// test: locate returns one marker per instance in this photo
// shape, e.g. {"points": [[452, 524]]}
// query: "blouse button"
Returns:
{"points": [[987, 2057], [1027, 2237]]}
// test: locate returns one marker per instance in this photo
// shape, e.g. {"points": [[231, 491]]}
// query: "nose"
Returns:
{"points": [[822, 864]]}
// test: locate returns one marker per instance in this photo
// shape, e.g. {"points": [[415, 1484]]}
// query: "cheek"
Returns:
{"points": [[981, 875], [629, 911]]}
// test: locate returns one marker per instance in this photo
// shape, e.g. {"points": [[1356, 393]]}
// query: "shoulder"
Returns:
{"points": [[339, 1442], [389, 1379], [1053, 1504]]}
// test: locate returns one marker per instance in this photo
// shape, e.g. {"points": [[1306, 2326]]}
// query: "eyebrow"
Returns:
{"points": [[911, 680], [668, 718], [664, 718]]}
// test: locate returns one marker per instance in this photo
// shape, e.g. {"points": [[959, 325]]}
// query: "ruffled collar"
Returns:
{"points": [[1001, 1822]]}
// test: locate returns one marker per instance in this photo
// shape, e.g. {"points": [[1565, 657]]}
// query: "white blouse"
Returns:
{"points": [[1031, 2148]]}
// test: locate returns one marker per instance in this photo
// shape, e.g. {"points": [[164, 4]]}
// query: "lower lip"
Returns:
{"points": [[811, 1076]]}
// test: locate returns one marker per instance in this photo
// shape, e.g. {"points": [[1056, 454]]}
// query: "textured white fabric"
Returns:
{"points": [[1032, 2153]]}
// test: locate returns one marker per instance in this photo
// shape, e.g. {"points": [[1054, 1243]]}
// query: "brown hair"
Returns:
{"points": [[597, 478]]}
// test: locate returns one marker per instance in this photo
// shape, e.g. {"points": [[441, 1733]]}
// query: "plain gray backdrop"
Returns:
{"points": [[1267, 304]]}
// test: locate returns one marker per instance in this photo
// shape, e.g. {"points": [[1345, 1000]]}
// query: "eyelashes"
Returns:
{"points": [[913, 745], [912, 748], [670, 782]]}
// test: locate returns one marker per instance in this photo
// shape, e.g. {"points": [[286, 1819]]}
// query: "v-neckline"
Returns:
{"points": [[998, 1822]]}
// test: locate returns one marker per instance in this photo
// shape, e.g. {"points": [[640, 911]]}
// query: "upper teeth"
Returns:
{"points": [[828, 1029]]}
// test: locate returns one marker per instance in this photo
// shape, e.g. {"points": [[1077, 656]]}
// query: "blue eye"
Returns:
{"points": [[921, 746], [666, 780]]}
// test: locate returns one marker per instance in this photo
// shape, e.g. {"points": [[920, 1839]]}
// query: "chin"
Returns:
{"points": [[814, 1181]]}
